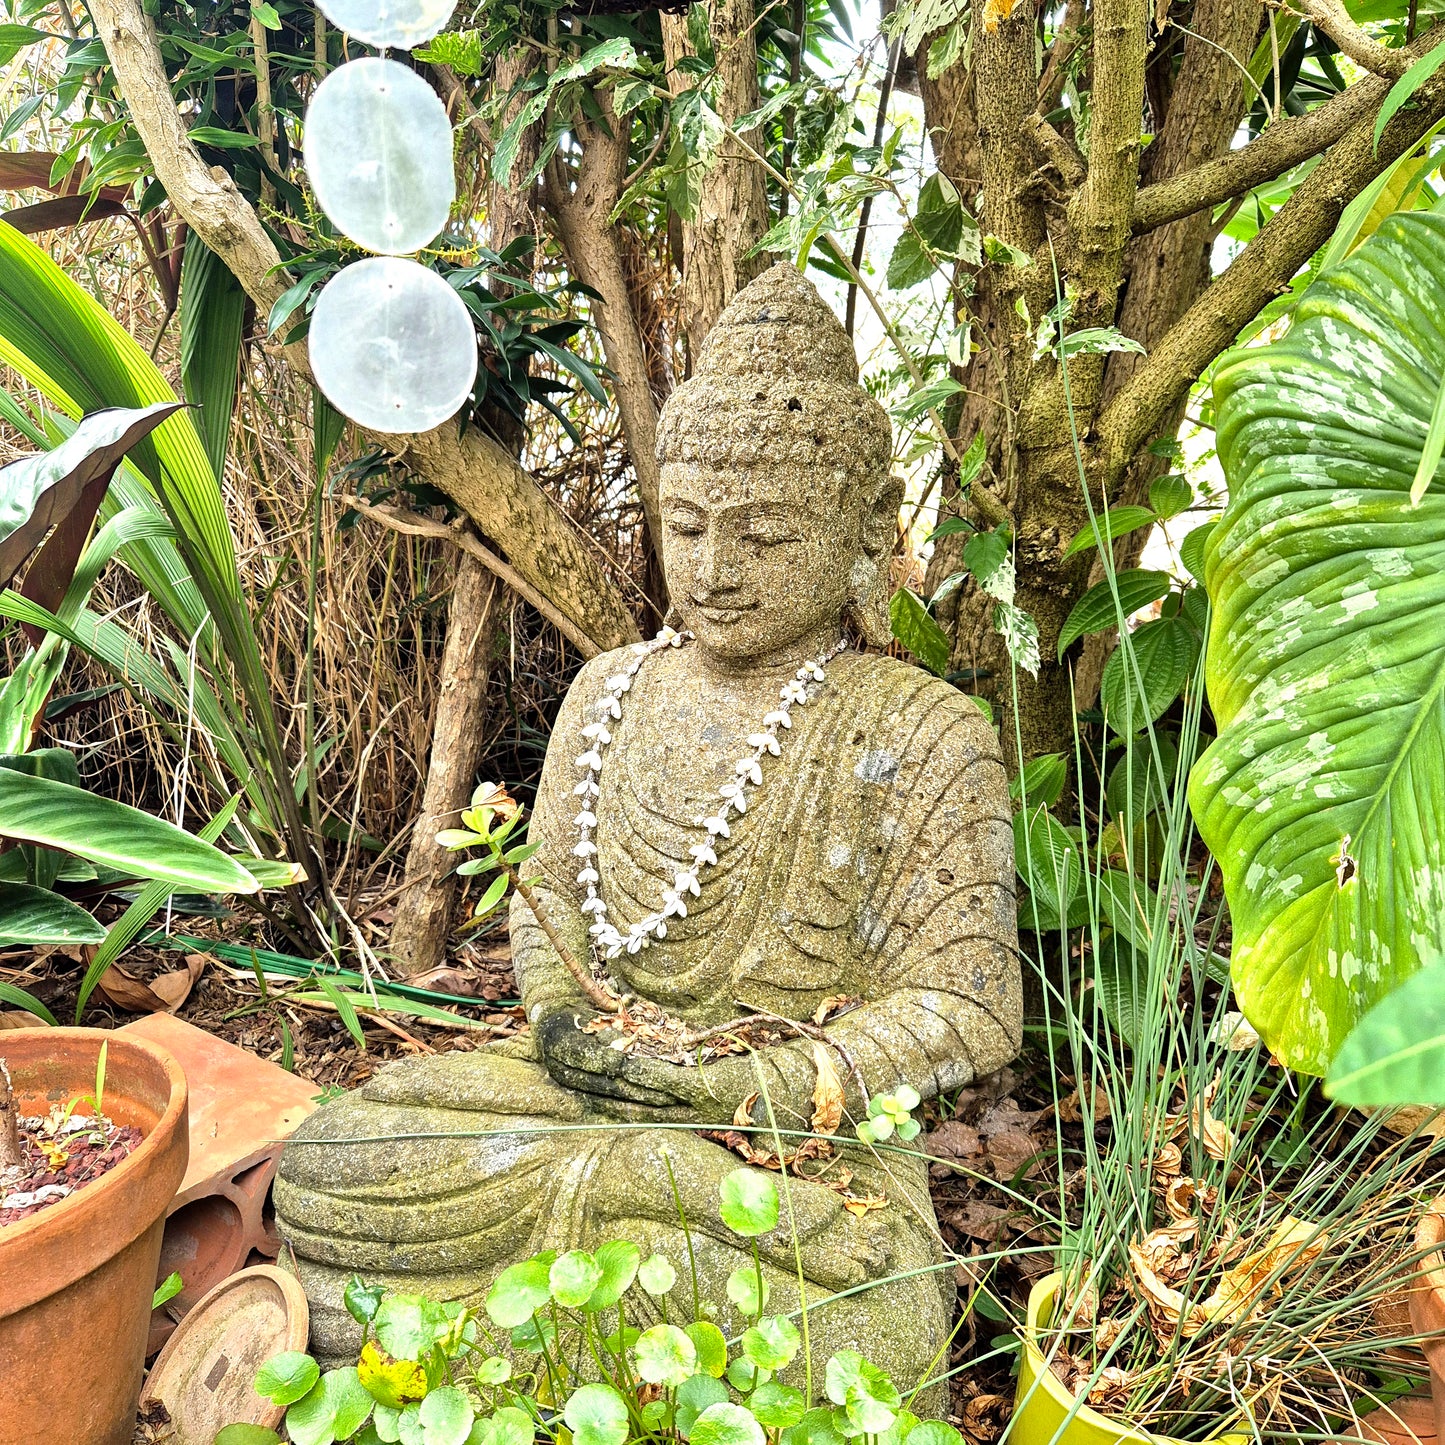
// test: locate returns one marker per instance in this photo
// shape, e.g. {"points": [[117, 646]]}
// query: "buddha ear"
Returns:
{"points": [[868, 583], [880, 520]]}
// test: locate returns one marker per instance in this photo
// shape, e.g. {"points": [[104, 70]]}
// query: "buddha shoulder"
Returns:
{"points": [[911, 713]]}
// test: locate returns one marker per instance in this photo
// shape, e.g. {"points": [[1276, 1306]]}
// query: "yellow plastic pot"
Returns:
{"points": [[1043, 1403]]}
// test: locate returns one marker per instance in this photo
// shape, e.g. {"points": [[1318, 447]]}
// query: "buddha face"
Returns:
{"points": [[757, 565]]}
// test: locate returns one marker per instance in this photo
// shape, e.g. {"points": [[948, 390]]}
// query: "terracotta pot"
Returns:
{"points": [[76, 1279], [1427, 1304]]}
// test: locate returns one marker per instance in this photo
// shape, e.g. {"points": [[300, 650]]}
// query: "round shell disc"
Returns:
{"points": [[379, 155], [401, 24], [392, 345]]}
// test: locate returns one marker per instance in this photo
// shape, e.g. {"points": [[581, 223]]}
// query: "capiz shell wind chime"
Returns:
{"points": [[392, 344]]}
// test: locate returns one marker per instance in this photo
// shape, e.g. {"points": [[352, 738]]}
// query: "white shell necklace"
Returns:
{"points": [[607, 941]]}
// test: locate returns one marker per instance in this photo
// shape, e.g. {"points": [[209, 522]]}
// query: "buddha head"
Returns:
{"points": [[778, 512]]}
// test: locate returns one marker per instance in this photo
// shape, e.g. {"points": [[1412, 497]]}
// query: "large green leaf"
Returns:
{"points": [[58, 815], [1396, 1055], [36, 915], [63, 343], [1321, 797], [213, 313], [44, 490]]}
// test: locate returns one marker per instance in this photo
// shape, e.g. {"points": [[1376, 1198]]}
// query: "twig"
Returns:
{"points": [[10, 1152], [880, 124], [809, 1031], [596, 994], [413, 524]]}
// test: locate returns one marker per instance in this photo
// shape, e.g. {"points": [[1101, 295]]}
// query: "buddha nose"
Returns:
{"points": [[719, 571]]}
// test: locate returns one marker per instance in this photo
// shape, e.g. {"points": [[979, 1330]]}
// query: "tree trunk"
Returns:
{"points": [[424, 910], [732, 208], [583, 212]]}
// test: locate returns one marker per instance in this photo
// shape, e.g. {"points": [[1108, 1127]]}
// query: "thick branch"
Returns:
{"points": [[205, 196], [1332, 17], [1262, 270], [1005, 90], [1276, 149], [1102, 210], [582, 213], [506, 503]]}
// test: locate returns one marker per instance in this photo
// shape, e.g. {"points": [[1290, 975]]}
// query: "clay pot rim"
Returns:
{"points": [[1430, 1242], [84, 1213]]}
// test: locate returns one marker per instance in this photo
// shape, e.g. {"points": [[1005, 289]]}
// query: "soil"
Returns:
{"points": [[60, 1154]]}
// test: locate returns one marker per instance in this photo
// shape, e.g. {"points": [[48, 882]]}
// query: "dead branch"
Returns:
{"points": [[413, 524]]}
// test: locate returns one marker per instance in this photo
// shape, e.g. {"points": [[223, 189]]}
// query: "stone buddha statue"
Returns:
{"points": [[868, 862]]}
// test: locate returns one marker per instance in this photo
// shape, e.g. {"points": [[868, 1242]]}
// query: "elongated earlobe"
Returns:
{"points": [[866, 611]]}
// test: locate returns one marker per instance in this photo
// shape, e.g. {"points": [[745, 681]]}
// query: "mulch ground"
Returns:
{"points": [[997, 1132]]}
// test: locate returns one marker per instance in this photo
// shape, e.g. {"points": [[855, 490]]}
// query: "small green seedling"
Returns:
{"points": [[890, 1113]]}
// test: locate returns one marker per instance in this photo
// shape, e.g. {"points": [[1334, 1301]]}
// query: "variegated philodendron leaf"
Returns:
{"points": [[1324, 795]]}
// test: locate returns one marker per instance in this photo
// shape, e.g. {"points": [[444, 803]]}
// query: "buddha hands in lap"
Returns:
{"points": [[746, 816]]}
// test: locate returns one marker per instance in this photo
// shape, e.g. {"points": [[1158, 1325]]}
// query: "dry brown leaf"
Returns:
{"points": [[174, 988], [987, 1222], [1215, 1135], [130, 993], [743, 1114], [18, 1019], [860, 1204], [954, 1140], [985, 1416], [1168, 1162], [835, 1003], [1071, 1107], [1013, 1154], [1112, 1389], [1106, 1333], [827, 1092], [1182, 1197], [1167, 1306], [1294, 1245]]}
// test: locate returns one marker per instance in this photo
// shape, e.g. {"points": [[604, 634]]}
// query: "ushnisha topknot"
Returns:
{"points": [[776, 385]]}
